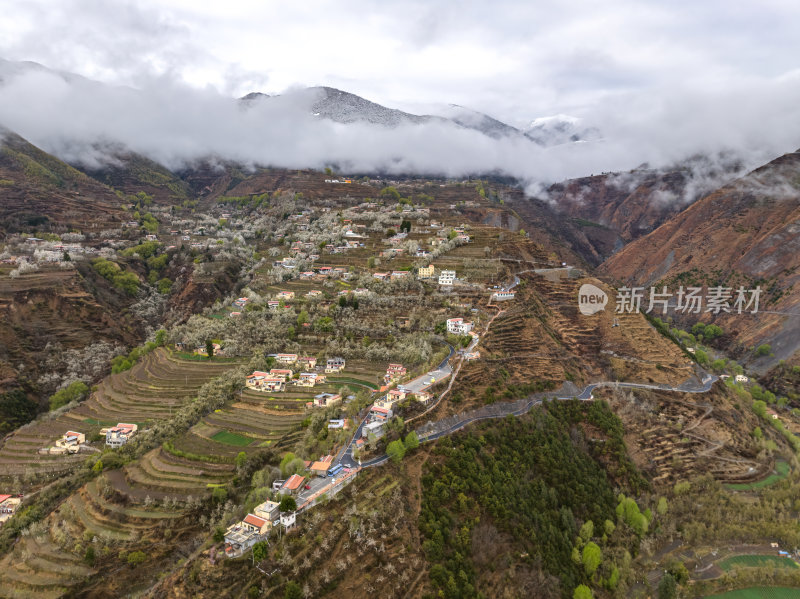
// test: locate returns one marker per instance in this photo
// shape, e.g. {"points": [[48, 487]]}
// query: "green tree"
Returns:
{"points": [[323, 324], [609, 527], [287, 504], [396, 450], [260, 551], [662, 506], [390, 192], [98, 466], [302, 318], [75, 391], [763, 350], [582, 592], [679, 571], [667, 587], [293, 591], [164, 286], [210, 348], [592, 558], [411, 441], [219, 494], [287, 458], [88, 557], [241, 460], [161, 337], [219, 535], [587, 531]]}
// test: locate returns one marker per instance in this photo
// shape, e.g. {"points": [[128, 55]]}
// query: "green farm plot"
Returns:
{"points": [[351, 381], [757, 561], [759, 593], [229, 438], [782, 470]]}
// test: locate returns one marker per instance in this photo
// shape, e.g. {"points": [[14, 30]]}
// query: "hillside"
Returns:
{"points": [[743, 234], [41, 192]]}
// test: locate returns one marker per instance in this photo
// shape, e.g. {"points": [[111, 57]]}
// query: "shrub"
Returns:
{"points": [[74, 392], [287, 504], [136, 557], [763, 350]]}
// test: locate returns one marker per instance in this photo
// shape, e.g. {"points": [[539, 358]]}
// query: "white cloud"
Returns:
{"points": [[661, 82]]}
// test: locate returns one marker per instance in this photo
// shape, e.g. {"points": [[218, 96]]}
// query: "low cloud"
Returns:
{"points": [[173, 124]]}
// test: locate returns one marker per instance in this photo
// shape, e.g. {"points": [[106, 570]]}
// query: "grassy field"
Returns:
{"points": [[782, 471], [232, 439], [347, 380], [759, 593], [757, 561]]}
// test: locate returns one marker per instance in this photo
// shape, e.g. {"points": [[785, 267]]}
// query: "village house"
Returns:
{"points": [[379, 413], [399, 274], [203, 350], [8, 506], [234, 314], [263, 381], [376, 427], [292, 485], [423, 397], [457, 326], [333, 365], [289, 519], [381, 276], [321, 468], [69, 442], [241, 302], [268, 511], [281, 373], [307, 362], [314, 293], [425, 272], [337, 423], [120, 434], [740, 378], [447, 277], [241, 536], [309, 379], [285, 295], [323, 400], [503, 295], [286, 358], [402, 322]]}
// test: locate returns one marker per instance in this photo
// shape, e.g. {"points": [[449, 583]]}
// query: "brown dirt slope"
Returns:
{"points": [[745, 233], [38, 191]]}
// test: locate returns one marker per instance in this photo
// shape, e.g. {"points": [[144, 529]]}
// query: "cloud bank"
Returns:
{"points": [[175, 125]]}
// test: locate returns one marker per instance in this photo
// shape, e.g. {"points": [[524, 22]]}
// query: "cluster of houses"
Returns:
{"points": [[255, 527], [277, 379]]}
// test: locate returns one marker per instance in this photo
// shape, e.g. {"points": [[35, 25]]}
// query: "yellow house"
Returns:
{"points": [[425, 272]]}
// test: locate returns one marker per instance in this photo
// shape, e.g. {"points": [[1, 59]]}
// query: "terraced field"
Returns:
{"points": [[49, 561], [149, 392]]}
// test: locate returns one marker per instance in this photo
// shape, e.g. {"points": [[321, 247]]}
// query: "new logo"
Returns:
{"points": [[591, 299]]}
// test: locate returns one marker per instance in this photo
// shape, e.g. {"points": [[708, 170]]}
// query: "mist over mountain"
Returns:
{"points": [[78, 119]]}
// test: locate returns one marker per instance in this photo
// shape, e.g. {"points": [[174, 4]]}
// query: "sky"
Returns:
{"points": [[659, 79]]}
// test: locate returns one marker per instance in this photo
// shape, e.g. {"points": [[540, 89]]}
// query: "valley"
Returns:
{"points": [[398, 373]]}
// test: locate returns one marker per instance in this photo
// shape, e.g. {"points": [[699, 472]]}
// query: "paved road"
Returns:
{"points": [[443, 370], [584, 395]]}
